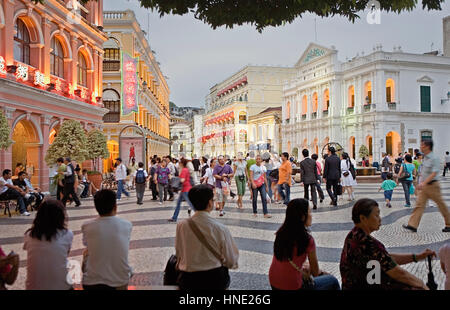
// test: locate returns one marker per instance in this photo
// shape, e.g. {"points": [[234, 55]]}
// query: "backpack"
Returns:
{"points": [[274, 174], [140, 177], [397, 168], [204, 170]]}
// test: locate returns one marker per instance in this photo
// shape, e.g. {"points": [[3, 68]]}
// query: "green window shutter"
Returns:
{"points": [[425, 99]]}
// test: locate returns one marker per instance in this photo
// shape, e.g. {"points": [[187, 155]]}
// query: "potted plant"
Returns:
{"points": [[97, 148], [95, 177]]}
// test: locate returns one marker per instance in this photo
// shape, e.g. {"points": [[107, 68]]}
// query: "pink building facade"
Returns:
{"points": [[51, 58]]}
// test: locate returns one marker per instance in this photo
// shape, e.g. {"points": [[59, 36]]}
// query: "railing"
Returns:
{"points": [[114, 15], [350, 110], [367, 107], [303, 116], [287, 121], [111, 65], [325, 113], [112, 117], [314, 115], [392, 106]]}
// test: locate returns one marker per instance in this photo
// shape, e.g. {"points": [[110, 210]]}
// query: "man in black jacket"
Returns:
{"points": [[332, 174], [309, 177], [69, 183]]}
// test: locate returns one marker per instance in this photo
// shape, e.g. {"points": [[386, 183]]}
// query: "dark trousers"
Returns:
{"points": [[12, 194], [319, 189], [154, 190], [170, 190], [262, 191], [332, 184], [85, 192], [313, 188], [69, 190], [59, 191], [446, 167], [214, 279], [140, 190]]}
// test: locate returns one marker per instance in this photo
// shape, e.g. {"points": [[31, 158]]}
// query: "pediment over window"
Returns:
{"points": [[425, 79]]}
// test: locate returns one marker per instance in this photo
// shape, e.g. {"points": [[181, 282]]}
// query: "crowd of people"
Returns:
{"points": [[205, 249]]}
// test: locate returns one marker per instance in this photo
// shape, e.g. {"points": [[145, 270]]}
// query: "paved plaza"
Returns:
{"points": [[153, 237]]}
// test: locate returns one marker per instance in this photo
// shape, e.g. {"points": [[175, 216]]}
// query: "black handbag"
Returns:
{"points": [[171, 273], [339, 190], [405, 174], [241, 178]]}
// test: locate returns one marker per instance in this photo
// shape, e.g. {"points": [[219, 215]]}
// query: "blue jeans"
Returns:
{"points": [[323, 283], [388, 195], [181, 197], [406, 187], [286, 197], [121, 189], [269, 182], [262, 191]]}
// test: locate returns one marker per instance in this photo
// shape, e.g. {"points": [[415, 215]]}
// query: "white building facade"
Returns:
{"points": [[181, 137], [387, 101], [197, 134]]}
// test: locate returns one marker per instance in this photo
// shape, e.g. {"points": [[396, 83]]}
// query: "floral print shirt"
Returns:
{"points": [[359, 249]]}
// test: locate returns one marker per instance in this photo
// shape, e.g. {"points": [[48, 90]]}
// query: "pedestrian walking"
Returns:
{"points": [[140, 179], [309, 177], [259, 184], [241, 177], [315, 157], [429, 188], [162, 176], [152, 182], [173, 172], [386, 166], [268, 163], [210, 180], [332, 174], [285, 178], [388, 186], [348, 177], [121, 175], [250, 160], [446, 163], [222, 172], [186, 186], [69, 183], [405, 176]]}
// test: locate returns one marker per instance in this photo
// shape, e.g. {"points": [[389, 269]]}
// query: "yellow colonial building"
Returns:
{"points": [[135, 92], [265, 131]]}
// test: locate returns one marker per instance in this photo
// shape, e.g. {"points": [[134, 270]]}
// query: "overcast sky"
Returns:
{"points": [[195, 57]]}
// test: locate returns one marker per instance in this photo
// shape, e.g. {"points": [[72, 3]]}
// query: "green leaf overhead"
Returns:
{"points": [[264, 13]]}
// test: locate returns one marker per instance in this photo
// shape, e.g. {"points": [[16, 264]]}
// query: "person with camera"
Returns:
{"points": [[405, 176]]}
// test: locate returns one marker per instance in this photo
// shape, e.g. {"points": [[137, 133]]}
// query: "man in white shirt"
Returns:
{"points": [[446, 163], [8, 191], [171, 167], [201, 268], [121, 175], [107, 241]]}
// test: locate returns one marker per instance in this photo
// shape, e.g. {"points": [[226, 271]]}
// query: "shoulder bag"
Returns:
{"points": [[405, 174]]}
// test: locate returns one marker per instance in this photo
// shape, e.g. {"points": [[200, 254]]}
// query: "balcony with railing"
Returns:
{"points": [[350, 110], [367, 107], [392, 106], [111, 117], [303, 116], [325, 113], [314, 115], [111, 65]]}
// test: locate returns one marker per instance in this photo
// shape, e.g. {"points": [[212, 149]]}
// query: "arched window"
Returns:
{"points": [[351, 96], [368, 93], [315, 103], [242, 117], [21, 42], [326, 99], [82, 70], [304, 105], [111, 101], [390, 90], [111, 61], [57, 58], [288, 110]]}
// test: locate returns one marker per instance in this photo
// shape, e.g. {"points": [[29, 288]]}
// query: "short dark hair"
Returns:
{"points": [[18, 165], [325, 156], [332, 150], [408, 158], [200, 195], [416, 151], [84, 171], [6, 171], [60, 160], [429, 143], [285, 155], [105, 201], [21, 173], [141, 165], [153, 161], [344, 155], [184, 162], [315, 156], [364, 207], [447, 153], [389, 175], [305, 153]]}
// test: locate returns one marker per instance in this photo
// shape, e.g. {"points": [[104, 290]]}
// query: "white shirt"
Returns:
{"points": [[257, 171], [444, 256], [107, 240], [121, 172], [447, 159], [171, 167], [47, 261], [3, 187], [276, 164], [193, 255], [145, 172], [210, 177]]}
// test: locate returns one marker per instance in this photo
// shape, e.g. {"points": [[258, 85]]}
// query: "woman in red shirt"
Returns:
{"points": [[186, 187], [293, 244]]}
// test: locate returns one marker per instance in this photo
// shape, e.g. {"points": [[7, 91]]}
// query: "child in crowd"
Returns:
{"points": [[388, 186]]}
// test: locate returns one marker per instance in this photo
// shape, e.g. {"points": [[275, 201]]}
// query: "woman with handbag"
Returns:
{"points": [[348, 177], [259, 184], [241, 177], [205, 249], [185, 187], [293, 245], [405, 176]]}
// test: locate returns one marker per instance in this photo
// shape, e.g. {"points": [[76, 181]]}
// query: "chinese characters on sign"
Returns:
{"points": [[129, 84], [39, 78], [22, 73]]}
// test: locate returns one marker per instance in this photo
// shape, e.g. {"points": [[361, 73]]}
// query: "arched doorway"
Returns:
{"points": [[25, 149], [113, 148], [352, 148], [132, 144], [316, 146], [393, 143], [295, 152], [369, 143]]}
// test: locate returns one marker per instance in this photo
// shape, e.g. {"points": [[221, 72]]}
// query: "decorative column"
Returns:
{"points": [[45, 55], [6, 155], [43, 171], [74, 42], [7, 46]]}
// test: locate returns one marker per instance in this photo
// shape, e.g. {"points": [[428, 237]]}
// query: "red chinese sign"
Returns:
{"points": [[129, 84]]}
